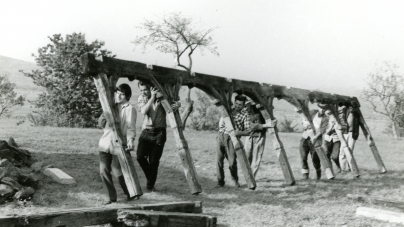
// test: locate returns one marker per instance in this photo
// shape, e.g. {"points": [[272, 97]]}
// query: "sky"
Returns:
{"points": [[317, 44]]}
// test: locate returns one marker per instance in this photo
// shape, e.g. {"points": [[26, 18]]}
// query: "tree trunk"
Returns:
{"points": [[395, 133]]}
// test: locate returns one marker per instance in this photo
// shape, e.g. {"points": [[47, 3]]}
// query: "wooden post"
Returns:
{"points": [[325, 162], [170, 93], [267, 112], [113, 120], [348, 153], [371, 142]]}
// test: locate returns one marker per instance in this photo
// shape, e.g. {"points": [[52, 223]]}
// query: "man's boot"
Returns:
{"points": [[305, 176]]}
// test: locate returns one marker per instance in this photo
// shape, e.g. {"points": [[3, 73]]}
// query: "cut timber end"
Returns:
{"points": [[59, 176], [383, 215]]}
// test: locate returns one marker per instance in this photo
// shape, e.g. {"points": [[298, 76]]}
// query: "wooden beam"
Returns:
{"points": [[113, 120], [166, 219], [377, 201], [383, 215], [93, 215], [371, 142], [136, 70]]}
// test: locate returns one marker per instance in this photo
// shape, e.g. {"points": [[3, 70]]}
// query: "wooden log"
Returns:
{"points": [[267, 113], [182, 148], [348, 153], [371, 142], [377, 201], [241, 155], [383, 215], [113, 120], [166, 219], [92, 216]]}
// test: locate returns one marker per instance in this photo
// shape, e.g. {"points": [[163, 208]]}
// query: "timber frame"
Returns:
{"points": [[220, 89]]}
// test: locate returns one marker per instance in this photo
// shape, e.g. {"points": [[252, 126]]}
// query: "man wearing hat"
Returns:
{"points": [[320, 123], [109, 162]]}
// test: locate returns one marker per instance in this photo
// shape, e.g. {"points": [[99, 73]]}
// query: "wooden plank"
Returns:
{"points": [[182, 148], [278, 145], [348, 153], [166, 219], [93, 215], [371, 142], [59, 176], [377, 201], [241, 155], [113, 120], [383, 215]]}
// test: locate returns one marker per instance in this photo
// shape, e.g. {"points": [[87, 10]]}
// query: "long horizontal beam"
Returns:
{"points": [[136, 70]]}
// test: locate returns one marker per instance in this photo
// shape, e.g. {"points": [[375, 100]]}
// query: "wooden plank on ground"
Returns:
{"points": [[166, 219], [59, 176], [377, 201], [93, 215], [383, 215]]}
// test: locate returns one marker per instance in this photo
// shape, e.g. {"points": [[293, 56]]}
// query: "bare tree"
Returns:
{"points": [[8, 97], [178, 35], [385, 93]]}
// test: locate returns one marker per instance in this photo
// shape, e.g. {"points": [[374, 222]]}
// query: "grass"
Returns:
{"points": [[308, 203]]}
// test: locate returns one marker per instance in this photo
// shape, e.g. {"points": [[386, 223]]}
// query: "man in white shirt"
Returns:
{"points": [[108, 159]]}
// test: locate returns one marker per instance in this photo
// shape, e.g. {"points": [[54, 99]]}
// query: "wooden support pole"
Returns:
{"points": [[348, 153], [92, 215], [325, 162], [143, 218], [183, 149], [241, 155], [371, 142], [170, 93], [113, 120], [267, 113]]}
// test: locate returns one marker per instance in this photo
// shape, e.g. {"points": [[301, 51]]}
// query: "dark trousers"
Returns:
{"points": [[332, 149], [110, 163], [149, 151], [305, 148], [225, 149]]}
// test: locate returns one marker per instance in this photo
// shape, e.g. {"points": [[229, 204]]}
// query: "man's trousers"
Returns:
{"points": [[342, 159], [225, 149], [110, 163], [254, 148], [149, 151], [332, 149], [305, 148]]}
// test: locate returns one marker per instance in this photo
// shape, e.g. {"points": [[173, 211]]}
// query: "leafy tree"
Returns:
{"points": [[286, 125], [177, 35], [9, 99], [385, 93], [70, 98], [206, 115]]}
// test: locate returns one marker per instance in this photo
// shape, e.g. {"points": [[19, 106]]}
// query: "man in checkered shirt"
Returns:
{"points": [[225, 147]]}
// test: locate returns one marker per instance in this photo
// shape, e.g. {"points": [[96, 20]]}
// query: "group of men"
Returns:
{"points": [[248, 122], [325, 133]]}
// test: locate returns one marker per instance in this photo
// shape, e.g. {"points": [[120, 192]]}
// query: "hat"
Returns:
{"points": [[322, 106], [124, 88]]}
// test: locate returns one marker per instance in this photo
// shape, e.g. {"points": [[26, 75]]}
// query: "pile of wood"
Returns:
{"points": [[18, 172]]}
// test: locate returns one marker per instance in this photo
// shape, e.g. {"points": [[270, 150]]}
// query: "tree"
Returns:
{"points": [[206, 115], [70, 98], [9, 99], [385, 92], [176, 35]]}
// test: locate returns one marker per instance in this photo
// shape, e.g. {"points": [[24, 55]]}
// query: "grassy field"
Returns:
{"points": [[308, 203]]}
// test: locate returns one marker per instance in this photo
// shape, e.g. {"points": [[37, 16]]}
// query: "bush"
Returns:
{"points": [[205, 116], [286, 125]]}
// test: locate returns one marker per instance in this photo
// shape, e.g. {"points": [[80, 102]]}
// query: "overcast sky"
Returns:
{"points": [[327, 45]]}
